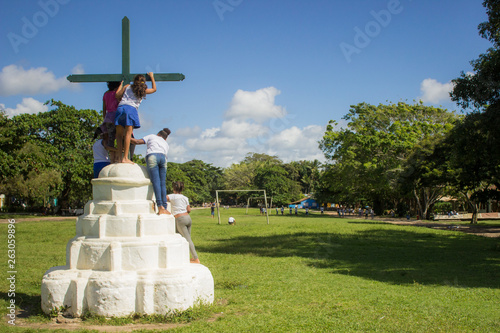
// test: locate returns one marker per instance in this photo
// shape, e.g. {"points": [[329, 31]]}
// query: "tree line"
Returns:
{"points": [[399, 156]]}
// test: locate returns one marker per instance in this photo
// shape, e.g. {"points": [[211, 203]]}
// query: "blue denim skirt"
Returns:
{"points": [[127, 115]]}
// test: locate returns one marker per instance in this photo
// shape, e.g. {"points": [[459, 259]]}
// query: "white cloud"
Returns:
{"points": [[28, 105], [175, 152], [434, 91], [235, 128], [256, 105], [253, 123], [286, 139], [210, 133], [15, 80], [294, 143], [78, 69], [289, 144], [213, 144], [188, 131]]}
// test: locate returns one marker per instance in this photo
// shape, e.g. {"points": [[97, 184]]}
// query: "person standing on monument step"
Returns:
{"points": [[109, 106], [181, 209], [156, 163], [101, 158], [127, 116]]}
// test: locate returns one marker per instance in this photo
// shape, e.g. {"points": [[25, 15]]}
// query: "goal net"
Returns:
{"points": [[217, 201]]}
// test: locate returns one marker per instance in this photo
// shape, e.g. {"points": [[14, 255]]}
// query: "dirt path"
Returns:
{"points": [[40, 219], [74, 324], [479, 230]]}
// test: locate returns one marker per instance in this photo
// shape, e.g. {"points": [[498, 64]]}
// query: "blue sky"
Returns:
{"points": [[261, 76]]}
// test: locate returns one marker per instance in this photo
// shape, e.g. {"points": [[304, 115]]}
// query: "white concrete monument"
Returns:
{"points": [[124, 258]]}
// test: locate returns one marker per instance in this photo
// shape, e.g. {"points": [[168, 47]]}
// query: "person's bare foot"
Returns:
{"points": [[195, 261], [126, 160], [162, 210]]}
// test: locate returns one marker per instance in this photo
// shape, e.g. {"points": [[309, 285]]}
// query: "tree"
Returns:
{"points": [[480, 92], [69, 132], [330, 189], [468, 155], [481, 89], [8, 145], [36, 179], [476, 140], [259, 158], [306, 173], [426, 173], [211, 180], [176, 174], [200, 179], [273, 178], [263, 172], [370, 154], [239, 176], [38, 187], [50, 147]]}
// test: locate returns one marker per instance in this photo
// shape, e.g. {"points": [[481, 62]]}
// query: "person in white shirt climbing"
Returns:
{"points": [[156, 161], [180, 209]]}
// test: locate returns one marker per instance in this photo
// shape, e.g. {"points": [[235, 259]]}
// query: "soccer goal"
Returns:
{"points": [[217, 200]]}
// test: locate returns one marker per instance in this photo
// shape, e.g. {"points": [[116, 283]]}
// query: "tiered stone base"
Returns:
{"points": [[124, 258], [119, 294]]}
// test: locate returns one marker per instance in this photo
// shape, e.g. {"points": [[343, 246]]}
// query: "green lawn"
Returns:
{"points": [[310, 274]]}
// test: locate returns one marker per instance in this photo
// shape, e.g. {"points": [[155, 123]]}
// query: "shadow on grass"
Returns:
{"points": [[29, 305], [315, 215], [393, 256]]}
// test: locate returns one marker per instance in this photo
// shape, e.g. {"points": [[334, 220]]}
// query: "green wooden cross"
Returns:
{"points": [[126, 76]]}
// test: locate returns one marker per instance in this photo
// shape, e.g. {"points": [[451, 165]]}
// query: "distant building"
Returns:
{"points": [[303, 203]]}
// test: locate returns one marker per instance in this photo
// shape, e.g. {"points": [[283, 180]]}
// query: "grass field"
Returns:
{"points": [[306, 274]]}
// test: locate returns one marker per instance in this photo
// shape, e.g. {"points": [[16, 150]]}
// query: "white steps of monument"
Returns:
{"points": [[127, 254], [124, 258], [108, 207], [116, 189], [125, 225], [112, 293]]}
